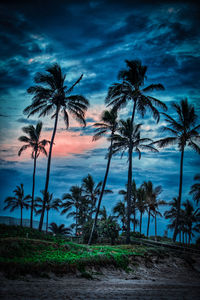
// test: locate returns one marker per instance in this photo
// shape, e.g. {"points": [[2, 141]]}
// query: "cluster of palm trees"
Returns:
{"points": [[52, 96], [144, 199]]}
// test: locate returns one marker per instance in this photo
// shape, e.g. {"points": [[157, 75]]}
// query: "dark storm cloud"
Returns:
{"points": [[27, 121]]}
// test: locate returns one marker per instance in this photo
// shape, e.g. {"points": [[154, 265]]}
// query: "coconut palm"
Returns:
{"points": [[129, 140], [108, 126], [152, 202], [92, 192], [18, 201], [73, 199], [51, 95], [141, 203], [120, 210], [103, 214], [130, 89], [37, 146], [51, 204], [195, 189], [190, 217], [184, 132], [133, 201], [59, 230]]}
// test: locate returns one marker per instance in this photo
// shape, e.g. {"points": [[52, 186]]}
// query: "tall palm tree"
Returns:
{"points": [[130, 89], [51, 95], [73, 199], [120, 210], [18, 201], [184, 132], [108, 126], [129, 139], [141, 203], [33, 141], [195, 189], [51, 204], [59, 230]]}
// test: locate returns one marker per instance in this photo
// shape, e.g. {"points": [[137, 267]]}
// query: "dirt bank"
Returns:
{"points": [[148, 278]]}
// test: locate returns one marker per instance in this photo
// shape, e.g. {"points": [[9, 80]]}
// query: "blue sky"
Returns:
{"points": [[94, 38]]}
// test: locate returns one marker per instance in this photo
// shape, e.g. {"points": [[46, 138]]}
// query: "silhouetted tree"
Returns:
{"points": [[18, 201], [33, 141], [108, 126], [51, 95], [184, 134]]}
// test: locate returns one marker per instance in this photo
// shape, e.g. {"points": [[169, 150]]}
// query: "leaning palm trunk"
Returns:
{"points": [[101, 194], [129, 188], [148, 223], [134, 214], [33, 190], [76, 220], [179, 197], [48, 169]]}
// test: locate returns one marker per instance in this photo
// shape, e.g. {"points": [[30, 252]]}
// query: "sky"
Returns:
{"points": [[94, 38]]}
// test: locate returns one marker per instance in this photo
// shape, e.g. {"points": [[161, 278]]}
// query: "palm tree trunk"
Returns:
{"points": [[21, 217], [140, 222], [47, 220], [133, 112], [134, 214], [155, 228], [76, 220], [129, 188], [102, 192], [148, 223], [179, 196], [48, 169], [33, 190]]}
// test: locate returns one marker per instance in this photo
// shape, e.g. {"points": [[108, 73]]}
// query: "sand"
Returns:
{"points": [[168, 278]]}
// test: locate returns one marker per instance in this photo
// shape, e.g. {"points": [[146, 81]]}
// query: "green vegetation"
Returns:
{"points": [[41, 253]]}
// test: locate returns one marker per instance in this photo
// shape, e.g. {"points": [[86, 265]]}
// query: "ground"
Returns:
{"points": [[152, 278]]}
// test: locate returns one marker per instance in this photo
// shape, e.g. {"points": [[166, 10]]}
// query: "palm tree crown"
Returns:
{"points": [[18, 201], [195, 189], [50, 93], [130, 90], [33, 140]]}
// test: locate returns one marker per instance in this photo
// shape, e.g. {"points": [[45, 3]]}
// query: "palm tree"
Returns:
{"points": [[51, 204], [92, 192], [195, 189], [152, 202], [51, 95], [108, 126], [133, 201], [129, 139], [59, 230], [141, 203], [103, 214], [130, 90], [190, 216], [73, 199], [184, 134], [19, 201], [120, 210], [33, 141]]}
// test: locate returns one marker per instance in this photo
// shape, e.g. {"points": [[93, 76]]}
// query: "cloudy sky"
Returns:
{"points": [[94, 38]]}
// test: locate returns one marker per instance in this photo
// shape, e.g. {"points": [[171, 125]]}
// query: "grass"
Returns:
{"points": [[40, 253]]}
